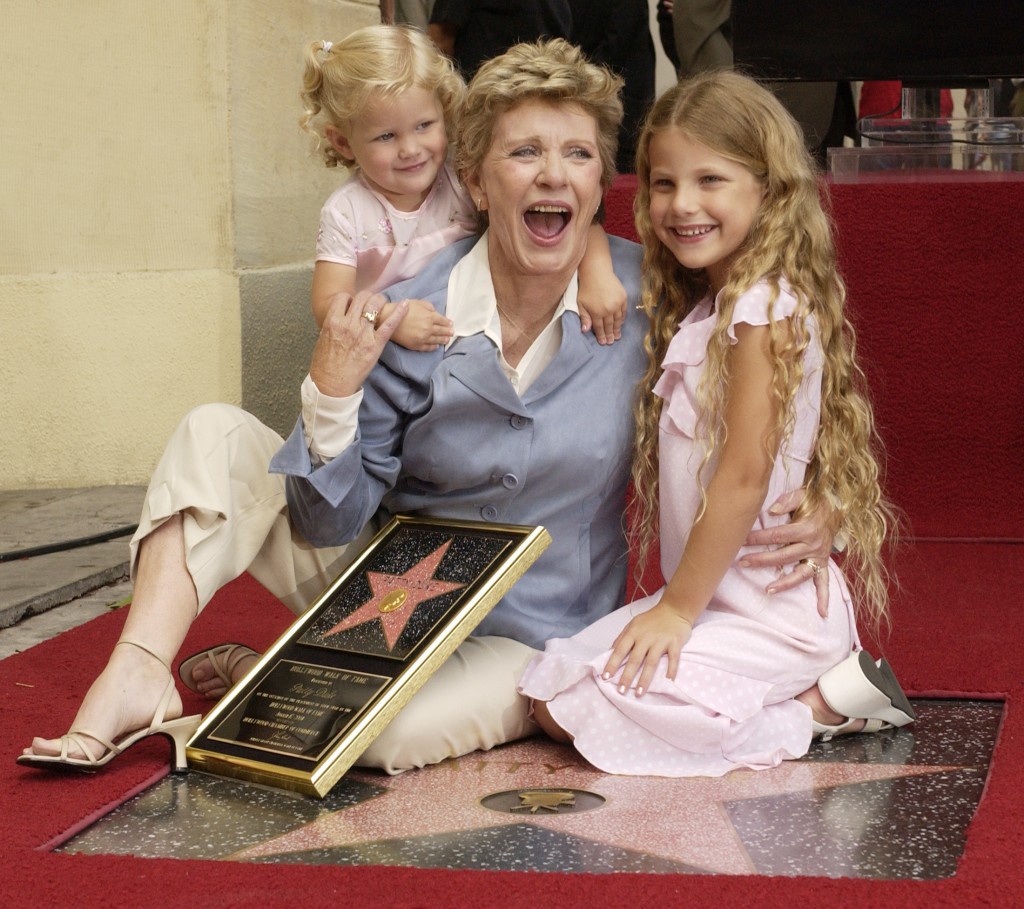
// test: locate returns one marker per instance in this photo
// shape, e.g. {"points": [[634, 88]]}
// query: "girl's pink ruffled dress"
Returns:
{"points": [[732, 702]]}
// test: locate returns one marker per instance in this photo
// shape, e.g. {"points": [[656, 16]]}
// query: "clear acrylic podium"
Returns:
{"points": [[921, 147]]}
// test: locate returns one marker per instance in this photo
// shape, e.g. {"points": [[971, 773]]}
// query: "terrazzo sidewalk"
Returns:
{"points": [[47, 594]]}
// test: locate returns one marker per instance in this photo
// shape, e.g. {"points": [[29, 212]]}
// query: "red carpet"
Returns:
{"points": [[947, 640], [934, 288]]}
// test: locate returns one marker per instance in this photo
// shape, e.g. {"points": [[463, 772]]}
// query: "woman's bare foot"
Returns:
{"points": [[208, 682], [123, 699]]}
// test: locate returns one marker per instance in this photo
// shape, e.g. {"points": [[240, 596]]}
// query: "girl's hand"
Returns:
{"points": [[423, 327], [601, 298], [648, 637], [350, 342], [606, 314], [798, 543]]}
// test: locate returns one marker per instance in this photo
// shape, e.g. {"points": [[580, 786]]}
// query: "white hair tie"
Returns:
{"points": [[327, 46]]}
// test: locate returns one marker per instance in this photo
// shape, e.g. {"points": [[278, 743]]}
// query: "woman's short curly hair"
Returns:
{"points": [[554, 71]]}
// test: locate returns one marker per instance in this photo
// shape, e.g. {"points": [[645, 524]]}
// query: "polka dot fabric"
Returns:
{"points": [[732, 702]]}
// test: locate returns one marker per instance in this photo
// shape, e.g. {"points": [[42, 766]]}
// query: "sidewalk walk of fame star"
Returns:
{"points": [[892, 805], [683, 820], [395, 597]]}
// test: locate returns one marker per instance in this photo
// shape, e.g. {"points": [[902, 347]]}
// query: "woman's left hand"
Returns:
{"points": [[648, 637], [350, 344], [804, 543]]}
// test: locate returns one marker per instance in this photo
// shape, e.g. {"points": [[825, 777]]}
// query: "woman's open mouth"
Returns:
{"points": [[547, 222]]}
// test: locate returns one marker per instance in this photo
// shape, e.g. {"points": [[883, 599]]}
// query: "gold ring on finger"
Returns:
{"points": [[814, 566], [371, 316]]}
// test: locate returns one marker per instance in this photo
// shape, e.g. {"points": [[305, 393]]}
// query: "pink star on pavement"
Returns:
{"points": [[395, 597], [682, 820]]}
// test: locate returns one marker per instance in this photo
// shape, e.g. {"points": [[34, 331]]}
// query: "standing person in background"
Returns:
{"points": [[666, 32], [703, 33], [472, 31], [406, 12], [824, 110], [413, 12], [617, 34]]}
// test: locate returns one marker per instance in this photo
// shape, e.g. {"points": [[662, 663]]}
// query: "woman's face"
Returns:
{"points": [[540, 184]]}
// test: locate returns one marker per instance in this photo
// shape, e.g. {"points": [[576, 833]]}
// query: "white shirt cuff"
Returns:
{"points": [[329, 424]]}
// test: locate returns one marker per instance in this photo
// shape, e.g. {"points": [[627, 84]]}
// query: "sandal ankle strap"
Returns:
{"points": [[147, 649]]}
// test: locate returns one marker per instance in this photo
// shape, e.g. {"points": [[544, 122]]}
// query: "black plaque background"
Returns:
{"points": [[478, 553], [466, 560], [294, 721]]}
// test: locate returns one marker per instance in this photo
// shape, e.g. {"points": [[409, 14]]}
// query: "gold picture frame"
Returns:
{"points": [[328, 686]]}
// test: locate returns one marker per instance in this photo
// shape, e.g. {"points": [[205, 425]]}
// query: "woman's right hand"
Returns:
{"points": [[802, 543], [349, 345]]}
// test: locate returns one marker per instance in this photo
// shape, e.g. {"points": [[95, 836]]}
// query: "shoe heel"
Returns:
{"points": [[858, 688], [892, 686], [179, 732]]}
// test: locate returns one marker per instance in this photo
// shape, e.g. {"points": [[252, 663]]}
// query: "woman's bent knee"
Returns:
{"points": [[469, 704]]}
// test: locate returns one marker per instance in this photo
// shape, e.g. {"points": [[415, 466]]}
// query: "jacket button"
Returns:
{"points": [[489, 513], [510, 481], [519, 422]]}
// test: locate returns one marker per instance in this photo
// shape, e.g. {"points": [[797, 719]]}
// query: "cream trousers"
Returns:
{"points": [[235, 519]]}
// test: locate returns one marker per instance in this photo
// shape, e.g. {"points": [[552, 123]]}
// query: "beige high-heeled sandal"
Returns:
{"points": [[179, 731], [860, 688]]}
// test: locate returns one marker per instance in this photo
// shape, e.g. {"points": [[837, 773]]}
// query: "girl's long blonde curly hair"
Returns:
{"points": [[791, 239]]}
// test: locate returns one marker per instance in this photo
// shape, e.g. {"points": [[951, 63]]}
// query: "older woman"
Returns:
{"points": [[521, 419]]}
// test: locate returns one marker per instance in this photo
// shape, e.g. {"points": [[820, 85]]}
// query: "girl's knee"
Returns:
{"points": [[542, 717]]}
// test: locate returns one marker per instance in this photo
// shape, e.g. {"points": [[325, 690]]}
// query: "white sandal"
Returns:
{"points": [[861, 689]]}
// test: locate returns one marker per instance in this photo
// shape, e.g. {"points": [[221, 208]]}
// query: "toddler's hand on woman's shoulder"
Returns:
{"points": [[423, 328]]}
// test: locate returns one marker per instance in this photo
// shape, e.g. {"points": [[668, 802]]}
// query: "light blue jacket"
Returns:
{"points": [[444, 434]]}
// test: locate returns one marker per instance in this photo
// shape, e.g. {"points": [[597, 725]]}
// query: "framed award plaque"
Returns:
{"points": [[327, 687]]}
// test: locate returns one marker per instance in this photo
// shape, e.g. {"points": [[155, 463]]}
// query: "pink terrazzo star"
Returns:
{"points": [[682, 820], [395, 597]]}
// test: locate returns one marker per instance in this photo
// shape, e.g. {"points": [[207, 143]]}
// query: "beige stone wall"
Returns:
{"points": [[151, 170]]}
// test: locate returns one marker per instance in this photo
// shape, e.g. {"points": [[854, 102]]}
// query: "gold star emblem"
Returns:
{"points": [[534, 800]]}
